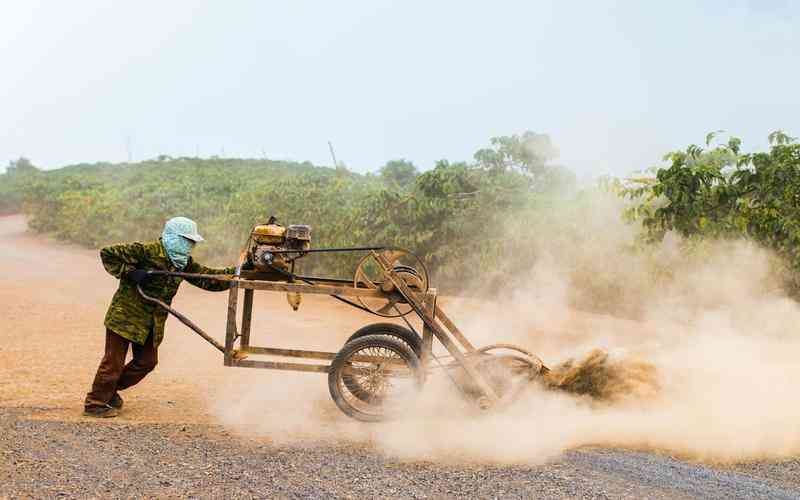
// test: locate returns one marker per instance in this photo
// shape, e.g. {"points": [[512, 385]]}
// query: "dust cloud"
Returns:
{"points": [[693, 354]]}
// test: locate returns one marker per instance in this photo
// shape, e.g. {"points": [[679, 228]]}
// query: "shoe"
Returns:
{"points": [[106, 411], [116, 402]]}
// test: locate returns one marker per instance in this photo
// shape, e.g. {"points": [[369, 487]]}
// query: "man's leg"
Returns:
{"points": [[145, 358], [109, 371]]}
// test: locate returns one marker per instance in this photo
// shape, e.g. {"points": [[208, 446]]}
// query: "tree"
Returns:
{"points": [[723, 193], [527, 153], [12, 184], [22, 166], [398, 174]]}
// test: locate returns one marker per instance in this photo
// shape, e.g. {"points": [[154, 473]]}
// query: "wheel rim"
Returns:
{"points": [[407, 337], [377, 381]]}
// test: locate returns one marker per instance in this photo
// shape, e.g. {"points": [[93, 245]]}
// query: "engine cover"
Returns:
{"points": [[271, 237]]}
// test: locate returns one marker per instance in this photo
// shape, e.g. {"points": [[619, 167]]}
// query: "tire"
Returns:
{"points": [[401, 332], [359, 399]]}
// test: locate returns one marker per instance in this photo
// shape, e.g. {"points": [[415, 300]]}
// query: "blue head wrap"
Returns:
{"points": [[179, 237]]}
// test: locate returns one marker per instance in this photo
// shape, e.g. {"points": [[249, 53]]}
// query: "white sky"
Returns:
{"points": [[615, 84]]}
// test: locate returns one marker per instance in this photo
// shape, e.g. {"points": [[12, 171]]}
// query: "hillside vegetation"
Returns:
{"points": [[452, 215], [476, 224]]}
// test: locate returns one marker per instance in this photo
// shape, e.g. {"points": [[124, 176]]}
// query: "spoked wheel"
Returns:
{"points": [[525, 355], [507, 369], [401, 333], [375, 377]]}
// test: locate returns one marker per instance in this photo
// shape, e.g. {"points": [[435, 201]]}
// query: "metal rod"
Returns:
{"points": [[322, 288], [247, 319], [275, 365], [230, 324], [326, 250], [183, 319], [427, 334], [268, 276], [323, 280], [440, 334], [219, 277], [441, 316], [296, 353], [280, 286], [351, 303], [311, 289], [333, 155], [289, 353]]}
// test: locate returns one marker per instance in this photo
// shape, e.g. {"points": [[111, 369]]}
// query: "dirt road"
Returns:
{"points": [[196, 429]]}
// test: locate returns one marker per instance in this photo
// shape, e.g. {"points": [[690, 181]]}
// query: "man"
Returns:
{"points": [[132, 320]]}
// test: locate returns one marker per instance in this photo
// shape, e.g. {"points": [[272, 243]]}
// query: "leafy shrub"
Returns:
{"points": [[453, 216]]}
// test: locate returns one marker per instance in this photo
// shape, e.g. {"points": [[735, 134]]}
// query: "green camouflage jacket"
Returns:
{"points": [[129, 315]]}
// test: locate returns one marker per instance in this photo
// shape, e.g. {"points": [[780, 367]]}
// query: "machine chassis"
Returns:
{"points": [[463, 355]]}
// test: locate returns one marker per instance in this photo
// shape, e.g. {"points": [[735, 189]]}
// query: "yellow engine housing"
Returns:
{"points": [[269, 234]]}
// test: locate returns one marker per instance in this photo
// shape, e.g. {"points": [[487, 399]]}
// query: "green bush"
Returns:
{"points": [[722, 193], [12, 185], [453, 216]]}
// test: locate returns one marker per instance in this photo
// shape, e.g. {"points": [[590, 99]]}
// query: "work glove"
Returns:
{"points": [[139, 276]]}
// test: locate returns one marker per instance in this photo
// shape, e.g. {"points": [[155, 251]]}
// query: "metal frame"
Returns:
{"points": [[237, 348]]}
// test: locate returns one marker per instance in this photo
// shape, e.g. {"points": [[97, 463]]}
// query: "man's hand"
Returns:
{"points": [[139, 276]]}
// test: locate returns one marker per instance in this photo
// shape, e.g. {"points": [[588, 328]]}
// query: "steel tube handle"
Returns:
{"points": [[183, 319]]}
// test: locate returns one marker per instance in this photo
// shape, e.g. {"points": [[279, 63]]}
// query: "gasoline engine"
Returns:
{"points": [[275, 248]]}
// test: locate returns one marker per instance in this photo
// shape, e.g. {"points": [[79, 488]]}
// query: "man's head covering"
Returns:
{"points": [[179, 237], [183, 226]]}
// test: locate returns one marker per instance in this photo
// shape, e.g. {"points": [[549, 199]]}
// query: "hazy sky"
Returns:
{"points": [[615, 84]]}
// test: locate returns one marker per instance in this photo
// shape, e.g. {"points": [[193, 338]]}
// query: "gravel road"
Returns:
{"points": [[173, 439], [108, 459]]}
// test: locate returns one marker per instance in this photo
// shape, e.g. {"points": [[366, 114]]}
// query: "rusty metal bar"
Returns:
{"points": [[427, 333], [316, 280], [309, 289], [183, 319], [277, 365], [336, 287], [445, 320], [440, 333], [305, 354], [325, 281], [305, 367], [289, 353], [230, 329], [462, 360], [328, 250], [247, 318], [218, 277], [230, 325]]}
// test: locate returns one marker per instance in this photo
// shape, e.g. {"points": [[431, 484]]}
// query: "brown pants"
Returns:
{"points": [[114, 375]]}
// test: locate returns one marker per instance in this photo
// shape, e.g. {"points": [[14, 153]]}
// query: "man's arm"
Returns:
{"points": [[209, 284], [119, 260]]}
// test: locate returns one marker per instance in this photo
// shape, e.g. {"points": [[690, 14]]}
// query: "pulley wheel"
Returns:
{"points": [[370, 274]]}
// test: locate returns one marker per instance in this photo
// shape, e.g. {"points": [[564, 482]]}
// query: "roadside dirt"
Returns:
{"points": [[196, 429]]}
